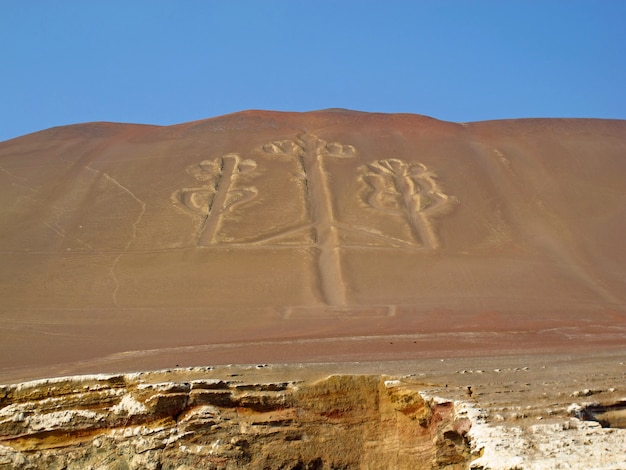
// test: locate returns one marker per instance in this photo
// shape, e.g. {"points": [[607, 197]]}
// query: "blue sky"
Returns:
{"points": [[165, 62]]}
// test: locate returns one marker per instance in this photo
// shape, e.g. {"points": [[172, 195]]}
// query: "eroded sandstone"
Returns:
{"points": [[129, 421]]}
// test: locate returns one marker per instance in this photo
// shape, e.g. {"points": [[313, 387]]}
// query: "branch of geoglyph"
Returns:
{"points": [[407, 184], [398, 187], [219, 176]]}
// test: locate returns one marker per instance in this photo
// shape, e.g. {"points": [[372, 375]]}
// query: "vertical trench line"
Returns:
{"points": [[405, 186], [437, 200], [420, 227], [307, 190], [322, 219], [304, 166], [216, 209]]}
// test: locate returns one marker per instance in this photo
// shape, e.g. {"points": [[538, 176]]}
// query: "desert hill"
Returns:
{"points": [[297, 237]]}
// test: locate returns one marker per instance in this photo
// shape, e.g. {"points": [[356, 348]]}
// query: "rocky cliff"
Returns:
{"points": [[135, 421]]}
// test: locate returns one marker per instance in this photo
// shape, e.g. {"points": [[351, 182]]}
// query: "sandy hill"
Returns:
{"points": [[331, 235]]}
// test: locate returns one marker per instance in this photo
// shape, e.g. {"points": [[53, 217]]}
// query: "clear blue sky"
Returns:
{"points": [[165, 62]]}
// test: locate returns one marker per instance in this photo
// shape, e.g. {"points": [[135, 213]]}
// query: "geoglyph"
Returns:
{"points": [[393, 188]]}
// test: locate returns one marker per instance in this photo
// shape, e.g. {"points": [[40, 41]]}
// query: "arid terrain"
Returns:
{"points": [[481, 264]]}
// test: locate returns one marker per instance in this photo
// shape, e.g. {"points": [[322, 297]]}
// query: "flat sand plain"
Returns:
{"points": [[324, 237]]}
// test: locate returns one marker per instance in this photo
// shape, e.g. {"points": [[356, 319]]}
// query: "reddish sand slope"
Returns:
{"points": [[332, 235]]}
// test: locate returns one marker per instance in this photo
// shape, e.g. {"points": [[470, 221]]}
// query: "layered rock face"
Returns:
{"points": [[131, 421]]}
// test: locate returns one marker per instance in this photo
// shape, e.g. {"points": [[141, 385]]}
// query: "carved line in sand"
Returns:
{"points": [[394, 187], [406, 190], [333, 311], [310, 151], [220, 195]]}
